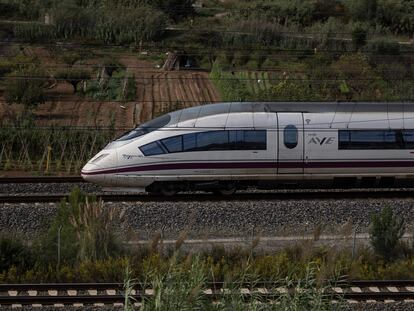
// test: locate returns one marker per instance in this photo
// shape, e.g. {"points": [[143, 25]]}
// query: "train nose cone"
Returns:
{"points": [[99, 168], [90, 173]]}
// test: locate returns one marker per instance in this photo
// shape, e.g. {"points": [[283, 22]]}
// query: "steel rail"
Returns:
{"points": [[41, 179], [189, 197], [215, 292]]}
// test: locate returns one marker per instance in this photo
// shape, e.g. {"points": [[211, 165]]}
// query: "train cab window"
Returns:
{"points": [[189, 142], [173, 144], [146, 128], [290, 136], [152, 149]]}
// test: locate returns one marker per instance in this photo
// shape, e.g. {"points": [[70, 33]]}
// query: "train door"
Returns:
{"points": [[290, 143]]}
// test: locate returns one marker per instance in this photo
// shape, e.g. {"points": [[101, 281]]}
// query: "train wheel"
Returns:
{"points": [[228, 189], [165, 189]]}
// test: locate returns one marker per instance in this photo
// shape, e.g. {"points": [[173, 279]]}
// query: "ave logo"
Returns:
{"points": [[322, 141]]}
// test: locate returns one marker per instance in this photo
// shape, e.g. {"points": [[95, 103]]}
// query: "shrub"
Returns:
{"points": [[231, 87], [385, 233], [14, 253], [87, 231], [359, 37], [73, 76], [383, 47], [25, 87]]}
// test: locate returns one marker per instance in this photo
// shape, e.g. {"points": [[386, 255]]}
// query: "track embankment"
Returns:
{"points": [[238, 217]]}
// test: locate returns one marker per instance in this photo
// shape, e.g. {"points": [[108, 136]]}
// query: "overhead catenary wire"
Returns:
{"points": [[196, 70], [15, 77]]}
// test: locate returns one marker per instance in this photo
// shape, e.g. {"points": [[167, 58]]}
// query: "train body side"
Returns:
{"points": [[305, 145]]}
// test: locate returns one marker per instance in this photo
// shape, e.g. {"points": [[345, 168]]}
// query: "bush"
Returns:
{"points": [[359, 37], [385, 233], [87, 231], [73, 76], [13, 253], [230, 86], [25, 87], [383, 47]]}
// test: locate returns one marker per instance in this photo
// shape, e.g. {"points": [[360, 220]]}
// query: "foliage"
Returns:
{"points": [[74, 76], [359, 37], [397, 15], [362, 10], [383, 47], [385, 232], [139, 24], [304, 265], [120, 86], [180, 287], [231, 87], [135, 26], [73, 21], [25, 87], [355, 76], [25, 147], [34, 32], [175, 9], [13, 253], [87, 231]]}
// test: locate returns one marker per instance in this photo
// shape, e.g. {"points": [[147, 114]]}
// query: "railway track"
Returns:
{"points": [[41, 179], [114, 293], [201, 197]]}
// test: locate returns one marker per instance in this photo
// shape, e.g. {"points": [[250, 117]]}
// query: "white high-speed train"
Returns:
{"points": [[227, 146]]}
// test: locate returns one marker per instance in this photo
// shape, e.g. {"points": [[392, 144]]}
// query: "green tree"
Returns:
{"points": [[385, 233]]}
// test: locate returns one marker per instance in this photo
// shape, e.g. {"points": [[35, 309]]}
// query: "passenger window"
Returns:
{"points": [[408, 139], [236, 140], [254, 140], [370, 139], [151, 149], [217, 140], [290, 136], [173, 144]]}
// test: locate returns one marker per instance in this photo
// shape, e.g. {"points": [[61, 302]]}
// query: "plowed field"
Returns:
{"points": [[158, 92]]}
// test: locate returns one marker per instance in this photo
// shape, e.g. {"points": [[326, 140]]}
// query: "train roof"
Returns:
{"points": [[323, 111], [306, 107]]}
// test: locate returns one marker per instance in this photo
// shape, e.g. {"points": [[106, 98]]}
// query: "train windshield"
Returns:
{"points": [[146, 128]]}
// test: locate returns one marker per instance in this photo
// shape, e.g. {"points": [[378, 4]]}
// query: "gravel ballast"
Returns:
{"points": [[46, 188], [222, 218]]}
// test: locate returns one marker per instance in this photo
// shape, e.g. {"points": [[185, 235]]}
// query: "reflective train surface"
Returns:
{"points": [[229, 146]]}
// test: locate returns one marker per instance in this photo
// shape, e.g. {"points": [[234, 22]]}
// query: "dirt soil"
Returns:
{"points": [[161, 91], [158, 92]]}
